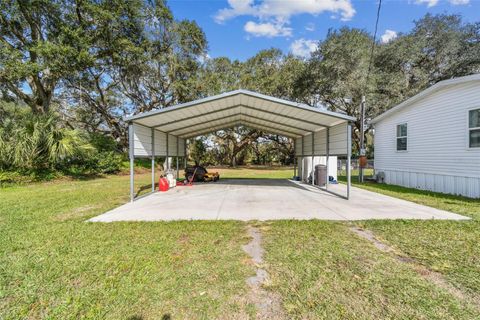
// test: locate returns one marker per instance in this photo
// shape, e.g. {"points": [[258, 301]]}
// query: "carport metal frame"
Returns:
{"points": [[287, 130], [152, 157], [327, 156]]}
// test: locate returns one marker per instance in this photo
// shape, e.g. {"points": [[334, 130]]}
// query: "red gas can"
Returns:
{"points": [[163, 184]]}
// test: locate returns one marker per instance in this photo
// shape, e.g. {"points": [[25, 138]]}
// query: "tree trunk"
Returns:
{"points": [[233, 160]]}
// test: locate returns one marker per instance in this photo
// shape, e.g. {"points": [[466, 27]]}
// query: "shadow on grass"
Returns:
{"points": [[86, 177], [142, 189], [166, 316], [13, 178]]}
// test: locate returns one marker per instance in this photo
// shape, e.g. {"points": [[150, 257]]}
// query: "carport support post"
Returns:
{"points": [[303, 162], [153, 160], [177, 157], [131, 155], [185, 153], [349, 155], [328, 155], [313, 156], [294, 158], [167, 163]]}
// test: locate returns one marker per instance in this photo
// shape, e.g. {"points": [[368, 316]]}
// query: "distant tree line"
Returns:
{"points": [[70, 70]]}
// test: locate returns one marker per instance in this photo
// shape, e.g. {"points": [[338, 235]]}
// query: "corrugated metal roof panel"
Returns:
{"points": [[276, 114]]}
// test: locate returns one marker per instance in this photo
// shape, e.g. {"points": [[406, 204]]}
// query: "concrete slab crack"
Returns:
{"points": [[268, 304]]}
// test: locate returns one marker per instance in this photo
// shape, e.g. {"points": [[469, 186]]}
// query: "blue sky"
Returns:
{"points": [[240, 28]]}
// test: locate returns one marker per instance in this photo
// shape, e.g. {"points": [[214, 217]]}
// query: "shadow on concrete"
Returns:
{"points": [[257, 182], [144, 188], [265, 182]]}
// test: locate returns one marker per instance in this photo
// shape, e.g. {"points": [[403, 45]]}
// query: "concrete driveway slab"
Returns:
{"points": [[268, 199]]}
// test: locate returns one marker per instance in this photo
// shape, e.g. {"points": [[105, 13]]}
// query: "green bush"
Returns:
{"points": [[109, 162], [37, 147], [9, 177], [32, 142], [21, 177], [102, 142]]}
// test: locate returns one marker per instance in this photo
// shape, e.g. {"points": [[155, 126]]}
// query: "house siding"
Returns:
{"points": [[437, 157]]}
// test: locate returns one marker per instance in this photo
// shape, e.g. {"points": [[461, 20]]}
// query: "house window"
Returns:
{"points": [[402, 137], [474, 128]]}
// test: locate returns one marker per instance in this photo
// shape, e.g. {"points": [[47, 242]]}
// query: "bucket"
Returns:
{"points": [[172, 182]]}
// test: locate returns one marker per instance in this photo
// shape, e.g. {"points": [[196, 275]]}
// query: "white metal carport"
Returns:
{"points": [[316, 132]]}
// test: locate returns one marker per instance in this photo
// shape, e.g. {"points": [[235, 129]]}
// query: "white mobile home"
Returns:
{"points": [[432, 140]]}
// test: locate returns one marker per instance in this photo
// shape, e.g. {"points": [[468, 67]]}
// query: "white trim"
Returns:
{"points": [[470, 129], [401, 137], [428, 172], [437, 86]]}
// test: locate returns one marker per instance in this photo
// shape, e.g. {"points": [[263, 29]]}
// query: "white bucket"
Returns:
{"points": [[172, 182]]}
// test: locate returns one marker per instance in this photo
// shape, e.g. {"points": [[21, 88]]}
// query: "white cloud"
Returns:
{"points": [[303, 48], [310, 27], [278, 13], [432, 3], [388, 36], [281, 10], [267, 29], [429, 3], [237, 8]]}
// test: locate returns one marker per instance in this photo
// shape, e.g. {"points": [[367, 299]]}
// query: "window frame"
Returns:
{"points": [[400, 137], [470, 129]]}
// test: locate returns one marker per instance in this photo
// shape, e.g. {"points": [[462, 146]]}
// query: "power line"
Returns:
{"points": [[363, 103], [372, 50]]}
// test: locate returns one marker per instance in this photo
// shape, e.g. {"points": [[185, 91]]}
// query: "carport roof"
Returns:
{"points": [[239, 107]]}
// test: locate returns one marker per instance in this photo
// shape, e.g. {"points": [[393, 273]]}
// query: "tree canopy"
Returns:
{"points": [[86, 64]]}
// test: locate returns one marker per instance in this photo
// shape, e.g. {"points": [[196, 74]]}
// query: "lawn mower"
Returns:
{"points": [[200, 174]]}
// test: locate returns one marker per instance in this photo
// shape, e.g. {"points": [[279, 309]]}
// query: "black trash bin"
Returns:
{"points": [[320, 175]]}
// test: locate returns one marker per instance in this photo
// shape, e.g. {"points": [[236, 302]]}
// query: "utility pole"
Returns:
{"points": [[362, 158]]}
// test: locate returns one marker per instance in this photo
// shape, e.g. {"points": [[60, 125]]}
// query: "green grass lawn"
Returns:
{"points": [[55, 265], [449, 247], [257, 172], [457, 204], [324, 271]]}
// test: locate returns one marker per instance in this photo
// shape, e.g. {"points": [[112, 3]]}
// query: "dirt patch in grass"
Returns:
{"points": [[367, 234], [450, 248], [435, 277], [268, 304], [447, 247], [76, 213], [324, 271]]}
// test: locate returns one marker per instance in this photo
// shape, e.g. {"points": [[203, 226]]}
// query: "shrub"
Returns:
{"points": [[31, 142], [109, 162], [9, 177]]}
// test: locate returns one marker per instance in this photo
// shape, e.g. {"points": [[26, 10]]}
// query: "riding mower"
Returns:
{"points": [[200, 174]]}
